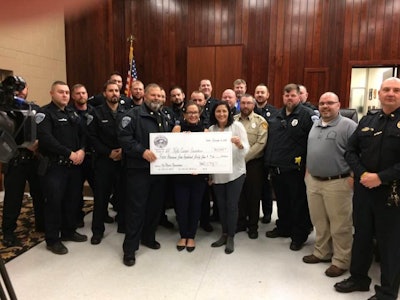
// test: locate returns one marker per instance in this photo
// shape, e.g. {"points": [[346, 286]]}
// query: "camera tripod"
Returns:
{"points": [[5, 280]]}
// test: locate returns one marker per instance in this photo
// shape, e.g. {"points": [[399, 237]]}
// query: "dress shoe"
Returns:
{"points": [[253, 235], [350, 285], [181, 244], [275, 234], [190, 245], [230, 245], [180, 248], [75, 237], [334, 271], [266, 220], [220, 242], [374, 297], [152, 245], [10, 240], [96, 239], [57, 248], [108, 219], [121, 229], [294, 246], [129, 260], [190, 249], [207, 227], [312, 259]]}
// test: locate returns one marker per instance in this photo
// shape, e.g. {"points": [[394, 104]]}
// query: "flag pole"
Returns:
{"points": [[130, 39]]}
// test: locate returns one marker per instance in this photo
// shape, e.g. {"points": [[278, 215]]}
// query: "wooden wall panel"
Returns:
{"points": [[280, 39]]}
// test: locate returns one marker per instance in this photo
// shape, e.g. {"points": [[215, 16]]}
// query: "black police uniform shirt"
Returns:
{"points": [[267, 112], [59, 131], [134, 134], [287, 138], [374, 146], [86, 117], [103, 129]]}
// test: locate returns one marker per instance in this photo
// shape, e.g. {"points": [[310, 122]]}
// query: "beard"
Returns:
{"points": [[154, 106], [113, 100]]}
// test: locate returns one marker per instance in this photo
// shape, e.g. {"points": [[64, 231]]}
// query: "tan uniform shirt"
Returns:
{"points": [[257, 134]]}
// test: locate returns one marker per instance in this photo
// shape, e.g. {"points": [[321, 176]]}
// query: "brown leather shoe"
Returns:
{"points": [[334, 271], [312, 259]]}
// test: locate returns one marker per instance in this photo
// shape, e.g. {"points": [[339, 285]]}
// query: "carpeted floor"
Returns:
{"points": [[25, 231]]}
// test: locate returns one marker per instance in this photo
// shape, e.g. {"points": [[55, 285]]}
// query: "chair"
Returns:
{"points": [[350, 113]]}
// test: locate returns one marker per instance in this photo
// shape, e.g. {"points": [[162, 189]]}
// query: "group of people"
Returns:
{"points": [[311, 158]]}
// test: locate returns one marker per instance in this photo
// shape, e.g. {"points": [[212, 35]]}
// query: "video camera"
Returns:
{"points": [[17, 118]]}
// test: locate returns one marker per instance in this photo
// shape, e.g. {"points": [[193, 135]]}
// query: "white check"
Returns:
{"points": [[191, 152]]}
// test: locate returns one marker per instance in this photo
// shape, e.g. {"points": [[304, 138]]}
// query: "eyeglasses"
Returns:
{"points": [[192, 113], [327, 103]]}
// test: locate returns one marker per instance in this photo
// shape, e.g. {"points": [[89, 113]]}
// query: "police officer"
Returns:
{"points": [[257, 131], [62, 146], [108, 155], [137, 93], [20, 169], [206, 88], [267, 111], [285, 156], [177, 98], [79, 103], [373, 155], [144, 191], [99, 99]]}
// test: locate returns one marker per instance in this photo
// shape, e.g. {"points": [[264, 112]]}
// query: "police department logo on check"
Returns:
{"points": [[160, 141]]}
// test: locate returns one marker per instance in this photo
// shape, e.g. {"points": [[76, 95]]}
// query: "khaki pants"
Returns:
{"points": [[330, 204]]}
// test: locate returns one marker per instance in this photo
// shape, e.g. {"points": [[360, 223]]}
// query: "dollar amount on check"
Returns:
{"points": [[191, 152]]}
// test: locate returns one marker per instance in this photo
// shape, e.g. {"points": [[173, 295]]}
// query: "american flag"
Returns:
{"points": [[132, 72]]}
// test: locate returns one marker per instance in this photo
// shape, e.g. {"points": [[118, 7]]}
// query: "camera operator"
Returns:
{"points": [[20, 169]]}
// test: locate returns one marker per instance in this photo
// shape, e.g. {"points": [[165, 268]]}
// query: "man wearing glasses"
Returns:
{"points": [[329, 187]]}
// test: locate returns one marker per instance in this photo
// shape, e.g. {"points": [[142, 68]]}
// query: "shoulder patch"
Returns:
{"points": [[39, 117], [125, 121], [314, 118], [264, 125]]}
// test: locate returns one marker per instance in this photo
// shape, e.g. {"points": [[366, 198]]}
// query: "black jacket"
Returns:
{"points": [[374, 146], [287, 138], [134, 132], [59, 131]]}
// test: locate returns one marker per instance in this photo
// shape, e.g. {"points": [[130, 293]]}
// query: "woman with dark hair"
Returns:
{"points": [[227, 187], [189, 189]]}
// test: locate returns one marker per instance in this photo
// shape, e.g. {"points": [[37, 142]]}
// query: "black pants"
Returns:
{"points": [[87, 175], [144, 200], [188, 200], [228, 195], [62, 191], [107, 172], [15, 178], [266, 199], [371, 218], [291, 199], [249, 203]]}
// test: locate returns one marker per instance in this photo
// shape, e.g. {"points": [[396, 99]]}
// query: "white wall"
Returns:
{"points": [[35, 50]]}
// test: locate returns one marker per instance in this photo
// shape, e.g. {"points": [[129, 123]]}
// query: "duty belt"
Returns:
{"points": [[61, 161], [345, 175], [280, 170], [23, 155]]}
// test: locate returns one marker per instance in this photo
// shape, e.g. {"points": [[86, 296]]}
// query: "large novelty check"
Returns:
{"points": [[191, 152]]}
